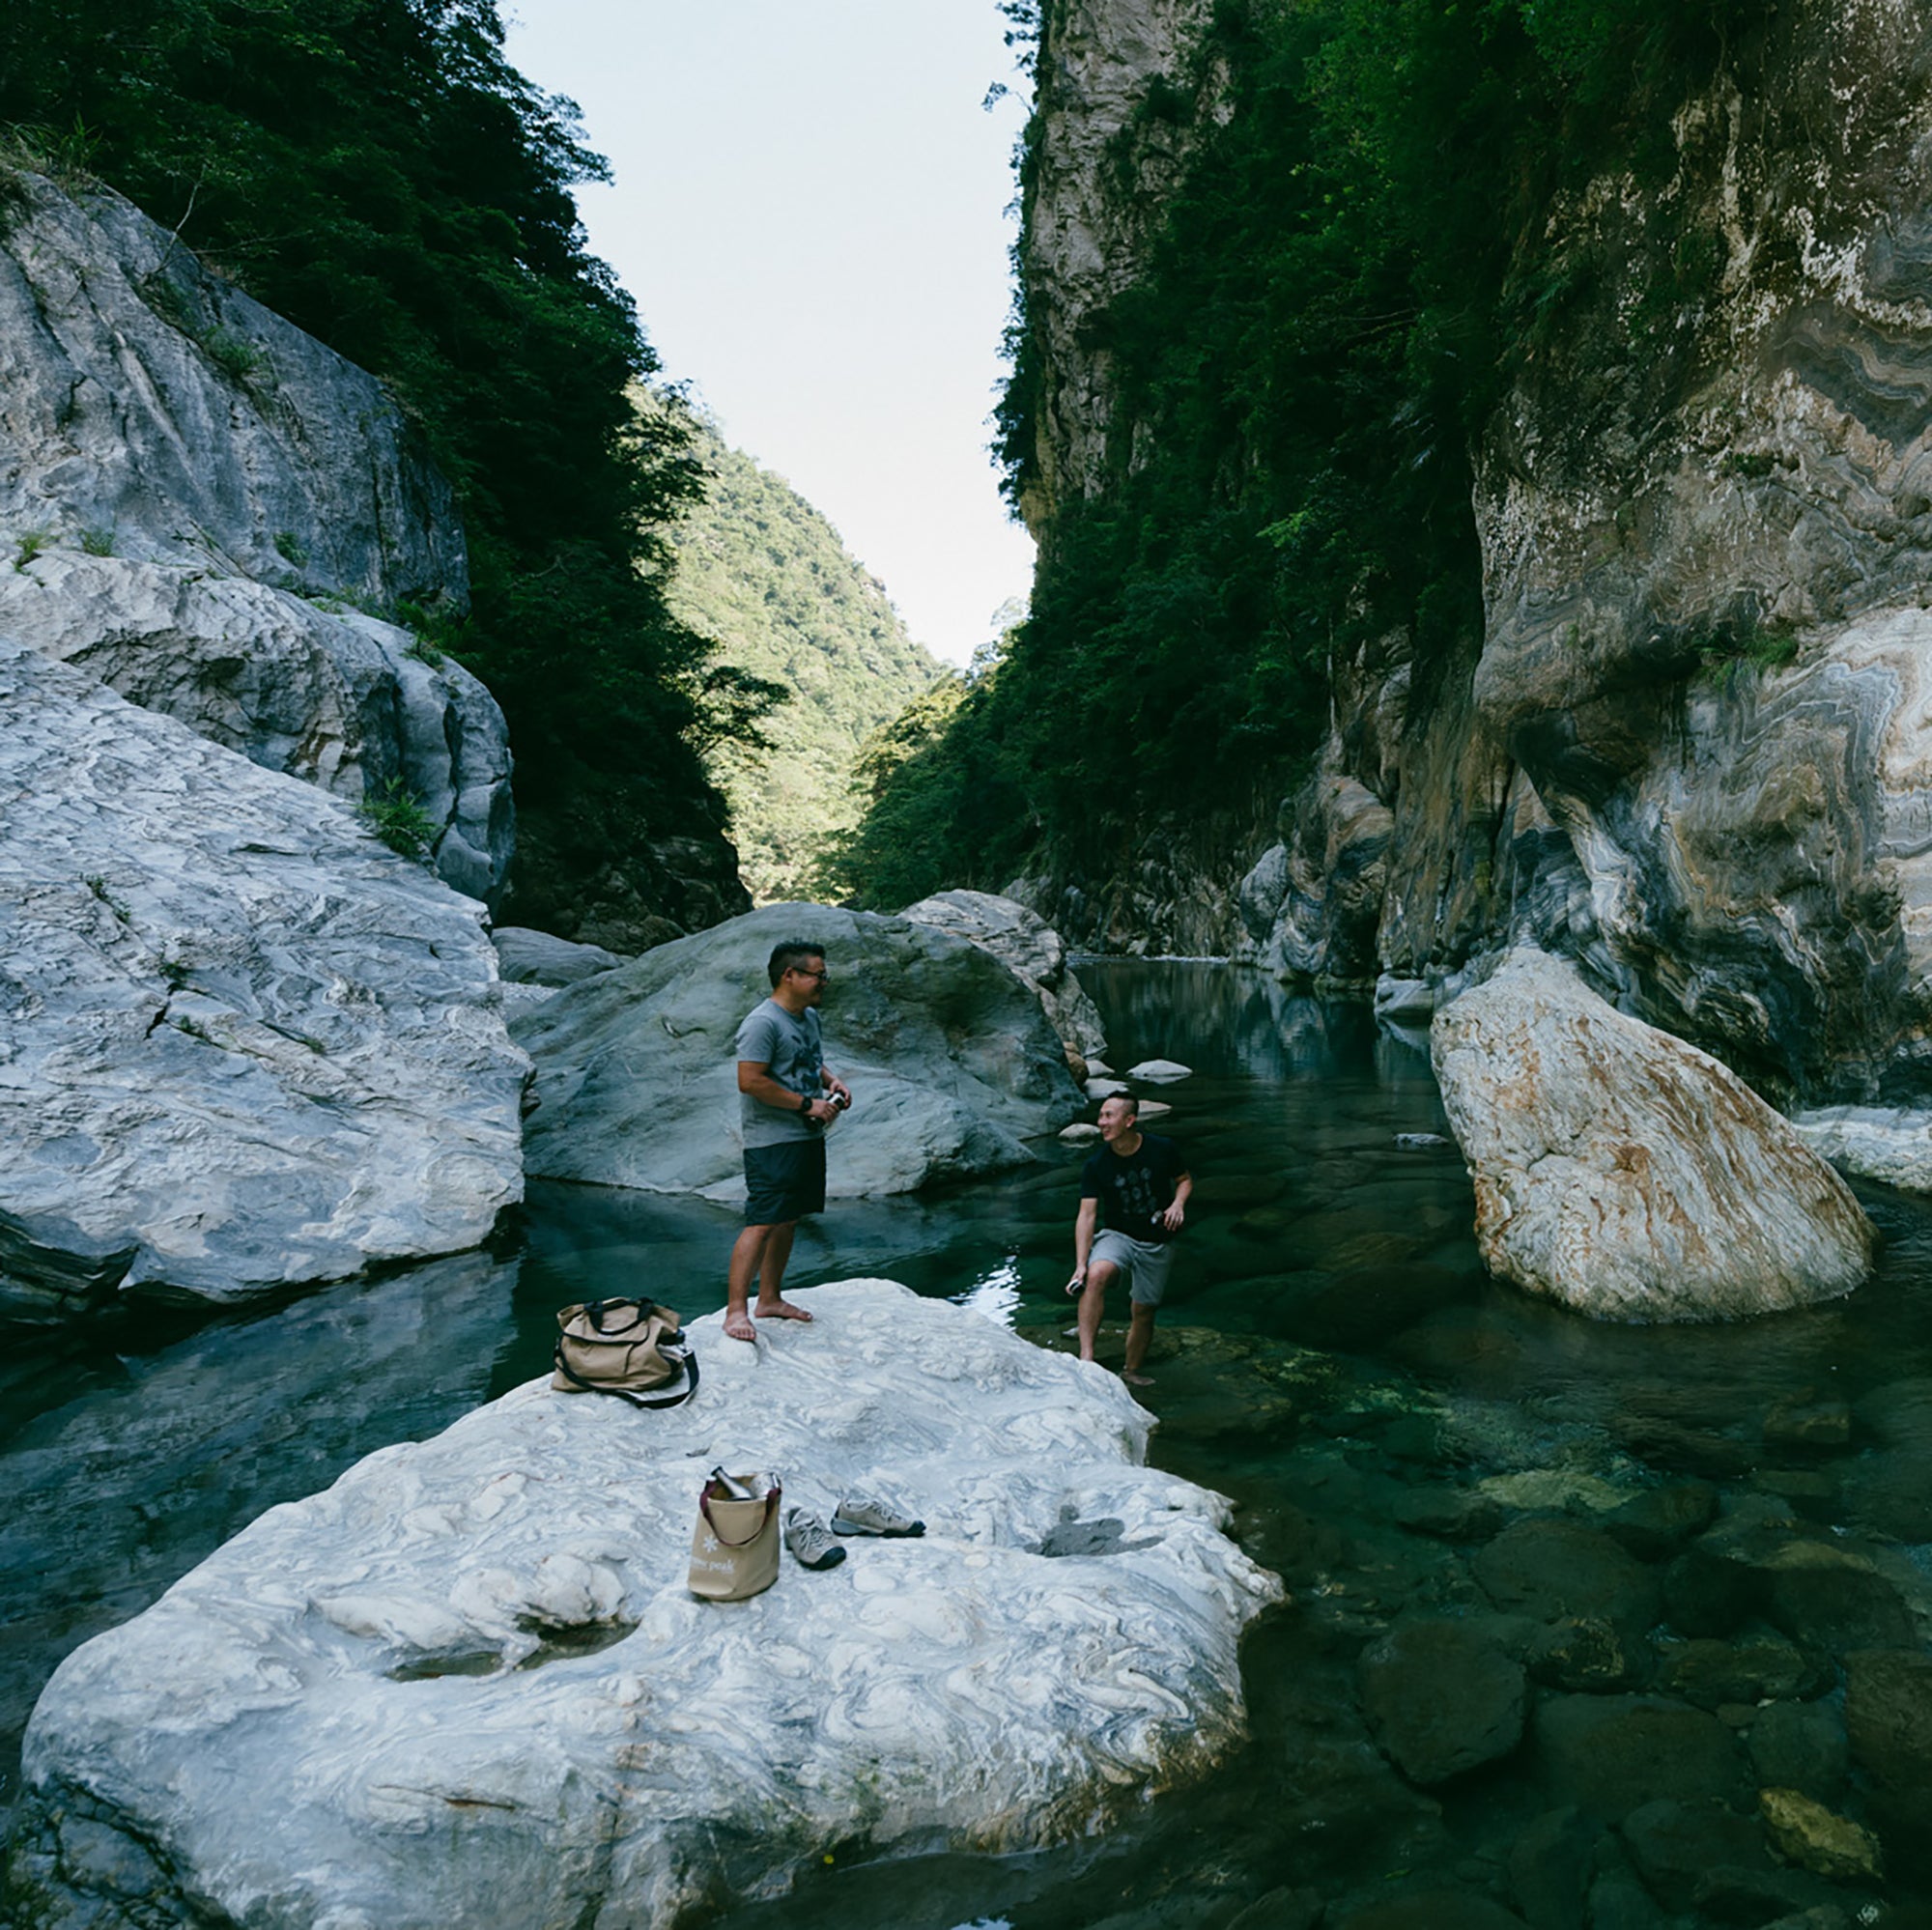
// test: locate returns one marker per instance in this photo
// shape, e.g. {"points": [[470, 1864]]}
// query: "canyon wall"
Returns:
{"points": [[1691, 746]]}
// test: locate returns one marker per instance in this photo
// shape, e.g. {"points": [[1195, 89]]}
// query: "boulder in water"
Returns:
{"points": [[527, 957], [1624, 1173], [951, 1062], [1029, 947], [468, 1678]]}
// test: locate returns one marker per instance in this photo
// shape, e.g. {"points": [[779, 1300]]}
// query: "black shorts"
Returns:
{"points": [[784, 1182]]}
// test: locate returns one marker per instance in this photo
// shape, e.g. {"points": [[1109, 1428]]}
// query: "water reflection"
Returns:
{"points": [[996, 1293], [156, 1459]]}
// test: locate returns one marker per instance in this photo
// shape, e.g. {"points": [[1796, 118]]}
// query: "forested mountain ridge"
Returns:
{"points": [[376, 172], [1477, 454], [762, 572]]}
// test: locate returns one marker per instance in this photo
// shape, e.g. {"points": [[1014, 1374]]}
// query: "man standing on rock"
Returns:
{"points": [[789, 1098], [1144, 1185]]}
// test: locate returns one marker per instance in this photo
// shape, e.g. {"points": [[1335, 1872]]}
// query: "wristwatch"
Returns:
{"points": [[804, 1104]]}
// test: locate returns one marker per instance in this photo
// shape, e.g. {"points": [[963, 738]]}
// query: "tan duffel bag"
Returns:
{"points": [[735, 1548], [630, 1348]]}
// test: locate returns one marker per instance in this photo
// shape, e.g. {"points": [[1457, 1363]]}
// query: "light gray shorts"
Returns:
{"points": [[1146, 1264]]}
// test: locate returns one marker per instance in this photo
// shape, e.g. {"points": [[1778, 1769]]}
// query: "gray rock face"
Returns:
{"points": [[1664, 514], [1088, 232], [1311, 906], [469, 1680], [1625, 1174], [949, 1057], [1028, 947], [198, 496], [1689, 749], [332, 696], [150, 405], [529, 957], [241, 1044]]}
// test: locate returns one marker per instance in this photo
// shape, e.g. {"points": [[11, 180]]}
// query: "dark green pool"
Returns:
{"points": [[1676, 1549]]}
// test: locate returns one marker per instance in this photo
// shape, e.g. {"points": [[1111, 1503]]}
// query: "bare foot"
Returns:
{"points": [[738, 1326], [1137, 1379], [781, 1310]]}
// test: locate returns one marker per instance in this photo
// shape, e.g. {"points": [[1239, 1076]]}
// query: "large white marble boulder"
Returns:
{"points": [[951, 1062], [203, 503], [242, 1045], [467, 1685], [322, 693], [1625, 1174], [1027, 944]]}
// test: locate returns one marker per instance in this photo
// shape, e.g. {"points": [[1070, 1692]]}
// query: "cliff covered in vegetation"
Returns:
{"points": [[1478, 458], [378, 173], [763, 573]]}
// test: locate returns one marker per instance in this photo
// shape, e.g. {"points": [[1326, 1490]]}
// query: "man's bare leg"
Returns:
{"points": [[771, 1277], [1093, 1299], [747, 1258], [1140, 1331]]}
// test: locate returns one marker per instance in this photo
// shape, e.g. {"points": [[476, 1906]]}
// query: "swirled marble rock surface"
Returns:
{"points": [[468, 1684], [241, 1044], [949, 1057], [201, 503], [1625, 1174]]}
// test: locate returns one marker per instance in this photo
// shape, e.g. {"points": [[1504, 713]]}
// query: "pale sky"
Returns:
{"points": [[808, 211]]}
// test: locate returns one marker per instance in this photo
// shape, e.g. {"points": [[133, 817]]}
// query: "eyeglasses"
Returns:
{"points": [[821, 973]]}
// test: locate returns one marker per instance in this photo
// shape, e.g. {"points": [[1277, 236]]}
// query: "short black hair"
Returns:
{"points": [[784, 956], [1127, 1099]]}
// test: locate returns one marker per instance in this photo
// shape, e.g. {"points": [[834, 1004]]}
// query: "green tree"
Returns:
{"points": [[1332, 301], [762, 572], [378, 171]]}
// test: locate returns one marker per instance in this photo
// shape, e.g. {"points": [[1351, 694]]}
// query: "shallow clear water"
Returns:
{"points": [[1396, 1430]]}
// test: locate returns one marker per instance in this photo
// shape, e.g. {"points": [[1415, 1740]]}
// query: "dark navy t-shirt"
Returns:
{"points": [[1134, 1191]]}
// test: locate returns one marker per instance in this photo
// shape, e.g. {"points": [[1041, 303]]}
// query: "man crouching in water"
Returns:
{"points": [[1145, 1184]]}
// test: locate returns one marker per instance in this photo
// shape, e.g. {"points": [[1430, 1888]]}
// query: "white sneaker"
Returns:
{"points": [[811, 1546]]}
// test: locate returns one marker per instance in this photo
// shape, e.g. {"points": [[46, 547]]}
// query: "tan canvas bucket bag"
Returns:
{"points": [[735, 1548]]}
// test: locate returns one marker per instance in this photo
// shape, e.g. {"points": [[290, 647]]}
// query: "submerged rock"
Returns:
{"points": [[1443, 1698], [1608, 1754], [468, 1678], [950, 1061], [242, 1045], [1624, 1173], [1031, 949]]}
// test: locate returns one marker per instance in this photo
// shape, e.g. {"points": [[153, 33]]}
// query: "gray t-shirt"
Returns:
{"points": [[789, 1048]]}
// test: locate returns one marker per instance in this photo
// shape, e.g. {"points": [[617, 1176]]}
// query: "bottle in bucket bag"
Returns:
{"points": [[632, 1348], [735, 1548]]}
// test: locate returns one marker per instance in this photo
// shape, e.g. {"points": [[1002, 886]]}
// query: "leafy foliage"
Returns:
{"points": [[376, 171], [396, 815], [1331, 306], [797, 617]]}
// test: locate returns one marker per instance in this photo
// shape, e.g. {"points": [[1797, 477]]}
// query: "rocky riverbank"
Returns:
{"points": [[472, 1674]]}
